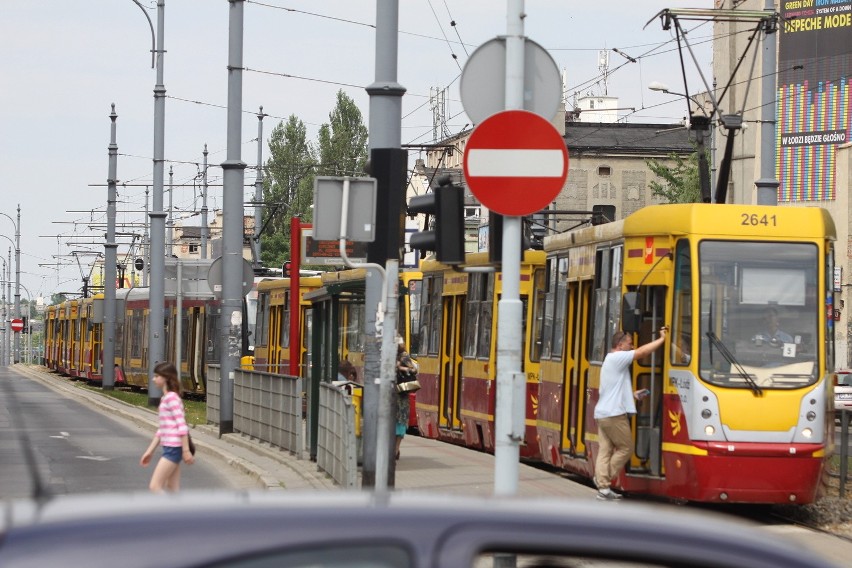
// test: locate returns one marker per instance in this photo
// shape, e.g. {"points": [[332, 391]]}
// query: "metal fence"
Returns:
{"points": [[844, 417], [269, 408], [336, 449]]}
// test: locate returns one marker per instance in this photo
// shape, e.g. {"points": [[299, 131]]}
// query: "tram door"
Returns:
{"points": [[195, 345], [579, 301], [451, 362], [648, 372]]}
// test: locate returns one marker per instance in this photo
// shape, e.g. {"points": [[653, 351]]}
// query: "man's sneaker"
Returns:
{"points": [[608, 495]]}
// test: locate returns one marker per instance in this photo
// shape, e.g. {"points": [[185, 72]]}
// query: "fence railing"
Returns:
{"points": [[845, 417], [269, 408]]}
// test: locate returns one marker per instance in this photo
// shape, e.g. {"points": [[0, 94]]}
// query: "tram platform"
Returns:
{"points": [[425, 464]]}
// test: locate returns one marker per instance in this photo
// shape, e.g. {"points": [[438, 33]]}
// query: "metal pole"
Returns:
{"points": [[204, 227], [4, 357], [157, 258], [511, 383], [18, 283], [232, 222], [110, 249], [179, 318], [388, 161], [258, 191], [767, 185], [146, 244], [170, 224], [9, 354]]}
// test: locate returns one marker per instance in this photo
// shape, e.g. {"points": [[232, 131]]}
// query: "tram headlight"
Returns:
{"points": [[705, 414], [709, 430], [811, 416], [807, 433]]}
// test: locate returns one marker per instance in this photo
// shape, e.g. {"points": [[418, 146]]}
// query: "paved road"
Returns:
{"points": [[425, 465], [77, 449]]}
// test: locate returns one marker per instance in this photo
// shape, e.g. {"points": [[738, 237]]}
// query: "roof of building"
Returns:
{"points": [[627, 138]]}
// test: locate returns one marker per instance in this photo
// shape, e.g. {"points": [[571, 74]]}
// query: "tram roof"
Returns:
{"points": [[706, 219]]}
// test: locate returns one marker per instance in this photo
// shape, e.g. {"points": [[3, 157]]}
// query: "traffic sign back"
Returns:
{"points": [[17, 325], [515, 163]]}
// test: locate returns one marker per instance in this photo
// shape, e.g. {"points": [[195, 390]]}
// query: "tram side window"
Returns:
{"points": [[262, 320], [136, 334], [546, 319], [539, 313], [477, 333], [471, 321], [486, 319], [560, 307], [284, 332], [213, 315], [606, 318], [680, 353], [413, 323], [430, 314]]}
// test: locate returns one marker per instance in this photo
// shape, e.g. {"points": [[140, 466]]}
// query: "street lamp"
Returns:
{"points": [[700, 125], [8, 342], [29, 325], [4, 355], [17, 244], [662, 88]]}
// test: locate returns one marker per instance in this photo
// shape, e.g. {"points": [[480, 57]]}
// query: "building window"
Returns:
{"points": [[604, 171], [193, 248]]}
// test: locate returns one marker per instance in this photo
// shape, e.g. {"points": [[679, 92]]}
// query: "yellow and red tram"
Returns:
{"points": [[733, 416], [457, 352]]}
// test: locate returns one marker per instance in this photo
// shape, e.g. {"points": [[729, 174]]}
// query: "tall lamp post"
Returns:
{"points": [[699, 124], [17, 244], [4, 355], [29, 325], [157, 250]]}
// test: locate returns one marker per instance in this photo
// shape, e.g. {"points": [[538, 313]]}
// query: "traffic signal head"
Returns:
{"points": [[285, 269], [446, 206]]}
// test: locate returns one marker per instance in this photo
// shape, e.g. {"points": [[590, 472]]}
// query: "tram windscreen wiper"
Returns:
{"points": [[729, 357]]}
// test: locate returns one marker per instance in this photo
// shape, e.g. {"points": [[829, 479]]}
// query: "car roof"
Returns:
{"points": [[412, 529]]}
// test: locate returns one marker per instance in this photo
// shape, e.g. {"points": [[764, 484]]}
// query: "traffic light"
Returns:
{"points": [[446, 205], [285, 269]]}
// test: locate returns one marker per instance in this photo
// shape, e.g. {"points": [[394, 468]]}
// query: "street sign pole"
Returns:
{"points": [[511, 385]]}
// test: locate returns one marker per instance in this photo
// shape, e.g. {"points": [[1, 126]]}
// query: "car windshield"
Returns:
{"points": [[759, 312]]}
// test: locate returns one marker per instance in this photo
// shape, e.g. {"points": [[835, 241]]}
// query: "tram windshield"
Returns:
{"points": [[759, 307]]}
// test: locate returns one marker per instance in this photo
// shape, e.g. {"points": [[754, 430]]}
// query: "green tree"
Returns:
{"points": [[343, 140], [288, 188], [681, 183]]}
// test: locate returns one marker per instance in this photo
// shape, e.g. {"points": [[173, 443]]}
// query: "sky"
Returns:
{"points": [[64, 63]]}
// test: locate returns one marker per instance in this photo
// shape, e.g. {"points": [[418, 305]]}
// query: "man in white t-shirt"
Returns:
{"points": [[614, 407]]}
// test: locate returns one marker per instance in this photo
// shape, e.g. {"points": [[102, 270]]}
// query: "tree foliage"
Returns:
{"points": [[287, 188], [343, 140], [681, 182], [341, 149]]}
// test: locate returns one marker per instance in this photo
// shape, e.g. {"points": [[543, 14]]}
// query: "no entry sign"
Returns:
{"points": [[17, 325], [515, 163]]}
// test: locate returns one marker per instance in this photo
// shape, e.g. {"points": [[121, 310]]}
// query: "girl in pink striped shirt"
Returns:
{"points": [[172, 435]]}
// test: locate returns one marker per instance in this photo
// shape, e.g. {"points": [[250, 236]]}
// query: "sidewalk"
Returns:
{"points": [[425, 464]]}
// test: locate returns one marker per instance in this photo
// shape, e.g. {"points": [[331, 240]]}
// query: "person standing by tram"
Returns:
{"points": [[614, 407]]}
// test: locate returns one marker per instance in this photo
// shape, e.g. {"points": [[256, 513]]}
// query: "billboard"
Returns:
{"points": [[814, 104]]}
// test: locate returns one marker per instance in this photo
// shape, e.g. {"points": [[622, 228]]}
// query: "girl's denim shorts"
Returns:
{"points": [[173, 453]]}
